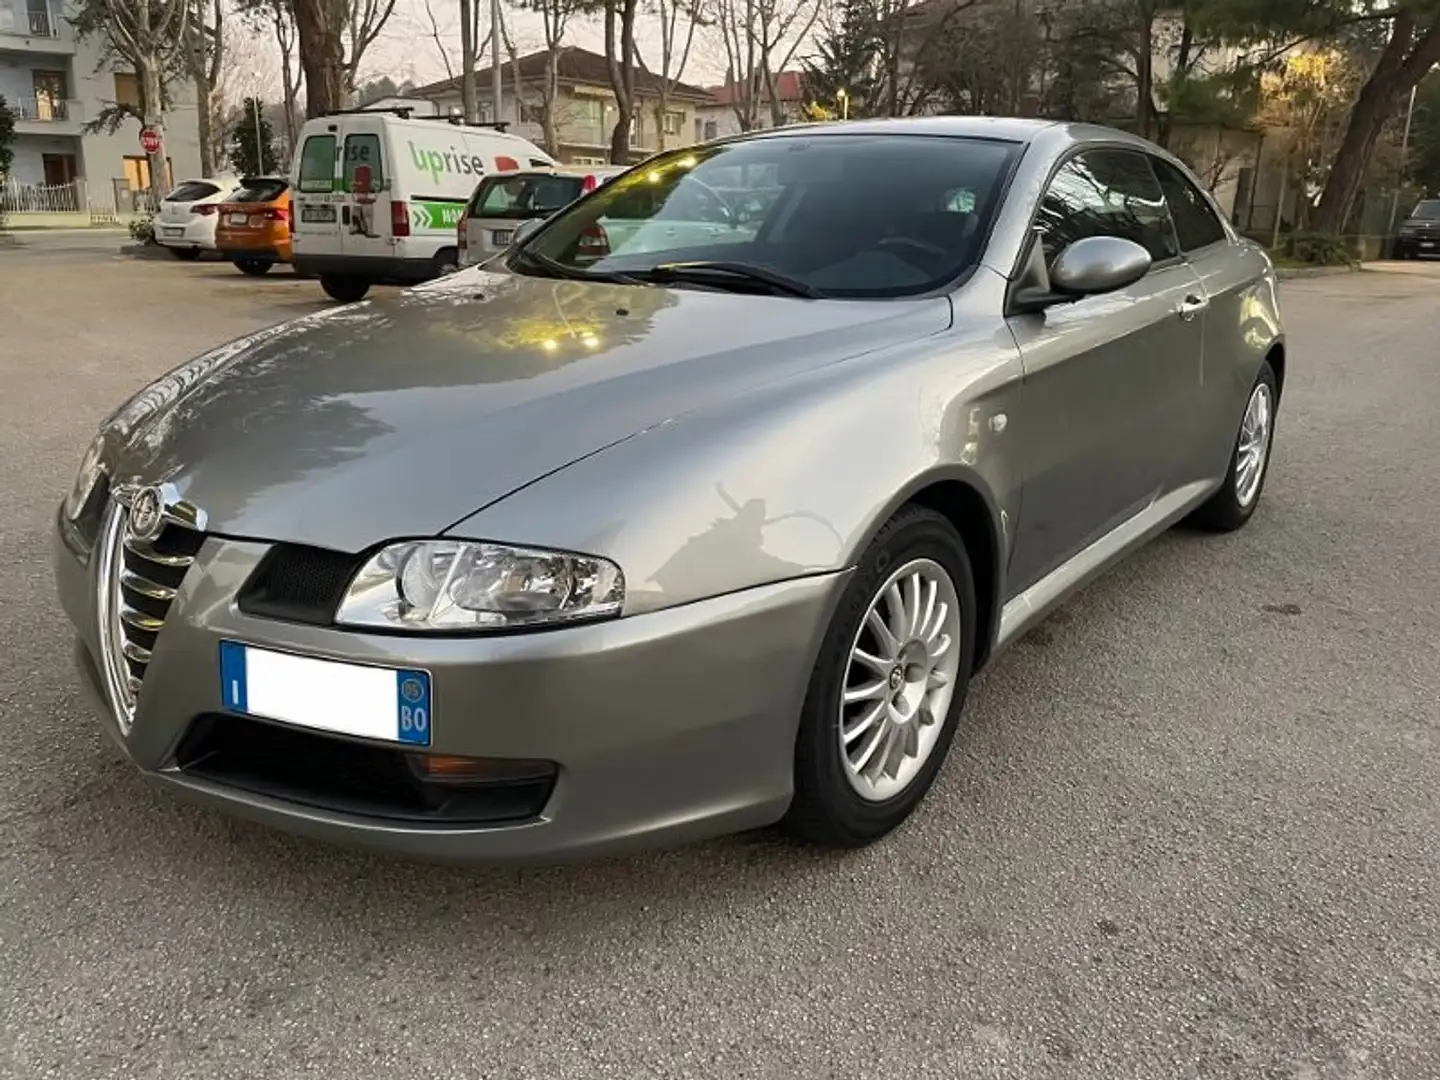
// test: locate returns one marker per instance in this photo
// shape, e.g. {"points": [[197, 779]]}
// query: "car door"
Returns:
{"points": [[316, 227], [1228, 272], [1105, 376], [365, 227]]}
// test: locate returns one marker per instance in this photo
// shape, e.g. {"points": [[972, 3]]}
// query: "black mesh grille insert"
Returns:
{"points": [[366, 779], [298, 584]]}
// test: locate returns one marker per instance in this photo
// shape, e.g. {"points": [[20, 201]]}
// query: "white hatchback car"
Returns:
{"points": [[188, 215]]}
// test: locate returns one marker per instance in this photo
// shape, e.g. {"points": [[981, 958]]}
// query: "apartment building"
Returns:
{"points": [[721, 115], [55, 84], [585, 109]]}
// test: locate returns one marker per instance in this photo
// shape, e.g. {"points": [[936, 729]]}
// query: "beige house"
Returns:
{"points": [[585, 109]]}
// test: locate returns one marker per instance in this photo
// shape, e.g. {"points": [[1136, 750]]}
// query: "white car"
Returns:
{"points": [[188, 215], [503, 201]]}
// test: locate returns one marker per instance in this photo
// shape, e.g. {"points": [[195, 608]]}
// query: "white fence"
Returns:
{"points": [[41, 199]]}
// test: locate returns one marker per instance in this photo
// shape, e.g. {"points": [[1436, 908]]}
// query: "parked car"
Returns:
{"points": [[379, 193], [577, 552], [253, 229], [502, 202], [1419, 233], [188, 215]]}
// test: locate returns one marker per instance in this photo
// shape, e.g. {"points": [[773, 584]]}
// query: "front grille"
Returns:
{"points": [[139, 579], [298, 584], [365, 779]]}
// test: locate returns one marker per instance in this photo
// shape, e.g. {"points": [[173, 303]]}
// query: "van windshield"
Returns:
{"points": [[518, 197], [864, 215]]}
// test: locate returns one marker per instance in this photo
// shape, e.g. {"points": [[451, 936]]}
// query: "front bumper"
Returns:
{"points": [[667, 727]]}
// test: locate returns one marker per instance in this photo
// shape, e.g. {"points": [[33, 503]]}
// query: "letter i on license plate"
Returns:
{"points": [[388, 704]]}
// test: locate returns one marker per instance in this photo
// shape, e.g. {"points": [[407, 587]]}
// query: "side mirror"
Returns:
{"points": [[1098, 264], [1088, 267], [525, 230]]}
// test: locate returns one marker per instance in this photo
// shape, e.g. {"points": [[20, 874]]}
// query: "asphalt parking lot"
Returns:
{"points": [[1191, 827]]}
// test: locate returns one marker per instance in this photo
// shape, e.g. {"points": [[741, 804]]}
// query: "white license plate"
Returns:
{"points": [[239, 219], [388, 704], [323, 214], [173, 231], [501, 237], [1427, 243]]}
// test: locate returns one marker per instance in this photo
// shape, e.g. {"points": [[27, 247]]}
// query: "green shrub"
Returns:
{"points": [[143, 229], [1318, 249]]}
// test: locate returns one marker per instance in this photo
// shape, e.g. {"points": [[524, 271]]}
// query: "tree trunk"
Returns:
{"points": [[622, 73], [469, 93], [662, 106], [204, 122], [150, 89], [550, 93], [1400, 68], [322, 57]]}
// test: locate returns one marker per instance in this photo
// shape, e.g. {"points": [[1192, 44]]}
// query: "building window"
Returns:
{"points": [[127, 90], [137, 174], [580, 159], [712, 129], [674, 123], [532, 112]]}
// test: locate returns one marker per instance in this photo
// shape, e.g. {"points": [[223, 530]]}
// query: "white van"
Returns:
{"points": [[379, 193]]}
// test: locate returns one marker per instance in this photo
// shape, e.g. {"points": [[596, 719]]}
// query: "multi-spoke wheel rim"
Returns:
{"points": [[899, 679], [1254, 445]]}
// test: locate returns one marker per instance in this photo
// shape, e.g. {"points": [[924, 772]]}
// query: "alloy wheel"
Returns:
{"points": [[1254, 445], [899, 680]]}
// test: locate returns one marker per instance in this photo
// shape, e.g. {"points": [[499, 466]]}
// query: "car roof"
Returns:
{"points": [[1007, 128]]}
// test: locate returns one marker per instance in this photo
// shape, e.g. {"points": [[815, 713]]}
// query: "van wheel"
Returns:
{"points": [[344, 287], [186, 254], [446, 261], [253, 267]]}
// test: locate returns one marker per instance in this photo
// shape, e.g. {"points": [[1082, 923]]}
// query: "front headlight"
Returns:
{"points": [[85, 479], [458, 585]]}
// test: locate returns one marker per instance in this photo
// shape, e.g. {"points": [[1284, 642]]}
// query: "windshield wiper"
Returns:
{"points": [[550, 268], [719, 273]]}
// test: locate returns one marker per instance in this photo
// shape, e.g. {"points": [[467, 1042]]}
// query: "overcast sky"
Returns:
{"points": [[407, 48]]}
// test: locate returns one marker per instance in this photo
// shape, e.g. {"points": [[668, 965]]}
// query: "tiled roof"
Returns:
{"points": [[789, 86], [574, 65]]}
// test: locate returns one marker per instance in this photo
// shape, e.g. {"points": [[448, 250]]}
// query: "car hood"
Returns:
{"points": [[403, 416]]}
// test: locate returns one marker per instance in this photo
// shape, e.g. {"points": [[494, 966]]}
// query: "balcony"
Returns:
{"points": [[34, 31], [46, 116]]}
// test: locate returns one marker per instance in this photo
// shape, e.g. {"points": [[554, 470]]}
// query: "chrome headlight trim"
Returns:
{"points": [[474, 586]]}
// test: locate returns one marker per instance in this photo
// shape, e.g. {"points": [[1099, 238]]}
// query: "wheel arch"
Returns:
{"points": [[966, 501]]}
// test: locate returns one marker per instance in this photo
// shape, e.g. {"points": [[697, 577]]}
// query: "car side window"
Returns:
{"points": [[1106, 193], [1195, 222]]}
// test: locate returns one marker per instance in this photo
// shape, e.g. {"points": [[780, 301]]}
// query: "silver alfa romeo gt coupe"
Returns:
{"points": [[693, 511]]}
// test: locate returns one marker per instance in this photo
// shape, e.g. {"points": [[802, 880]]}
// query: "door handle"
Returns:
{"points": [[1192, 305], [344, 215]]}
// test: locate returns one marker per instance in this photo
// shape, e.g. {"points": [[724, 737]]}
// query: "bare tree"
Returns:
{"points": [[204, 55], [555, 17], [149, 35], [672, 67], [621, 59], [278, 16], [334, 36], [761, 38]]}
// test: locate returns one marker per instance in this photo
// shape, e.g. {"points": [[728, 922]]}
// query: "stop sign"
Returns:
{"points": [[150, 140]]}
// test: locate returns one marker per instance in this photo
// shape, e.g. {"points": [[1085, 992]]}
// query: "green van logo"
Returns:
{"points": [[453, 162]]}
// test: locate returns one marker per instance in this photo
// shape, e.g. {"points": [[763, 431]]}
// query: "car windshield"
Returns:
{"points": [[256, 191], [829, 214], [1427, 210], [524, 196]]}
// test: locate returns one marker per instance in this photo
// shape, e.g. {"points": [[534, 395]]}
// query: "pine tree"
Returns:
{"points": [[252, 142], [847, 50]]}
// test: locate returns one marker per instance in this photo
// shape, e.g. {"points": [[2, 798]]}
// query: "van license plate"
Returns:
{"points": [[324, 214], [501, 237]]}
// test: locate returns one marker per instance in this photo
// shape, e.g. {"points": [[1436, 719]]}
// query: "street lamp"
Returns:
{"points": [[844, 96]]}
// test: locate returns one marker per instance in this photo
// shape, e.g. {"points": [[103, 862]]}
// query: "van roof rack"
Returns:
{"points": [[407, 112]]}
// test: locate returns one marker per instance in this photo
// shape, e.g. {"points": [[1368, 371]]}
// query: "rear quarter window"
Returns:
{"points": [[260, 191]]}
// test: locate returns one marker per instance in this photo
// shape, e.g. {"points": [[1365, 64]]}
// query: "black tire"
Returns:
{"points": [[1224, 512], [185, 254], [446, 261], [344, 287], [826, 810], [253, 267]]}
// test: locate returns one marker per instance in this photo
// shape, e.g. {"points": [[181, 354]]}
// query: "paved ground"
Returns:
{"points": [[1190, 830]]}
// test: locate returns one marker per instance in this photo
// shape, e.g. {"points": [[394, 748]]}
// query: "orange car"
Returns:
{"points": [[254, 227]]}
